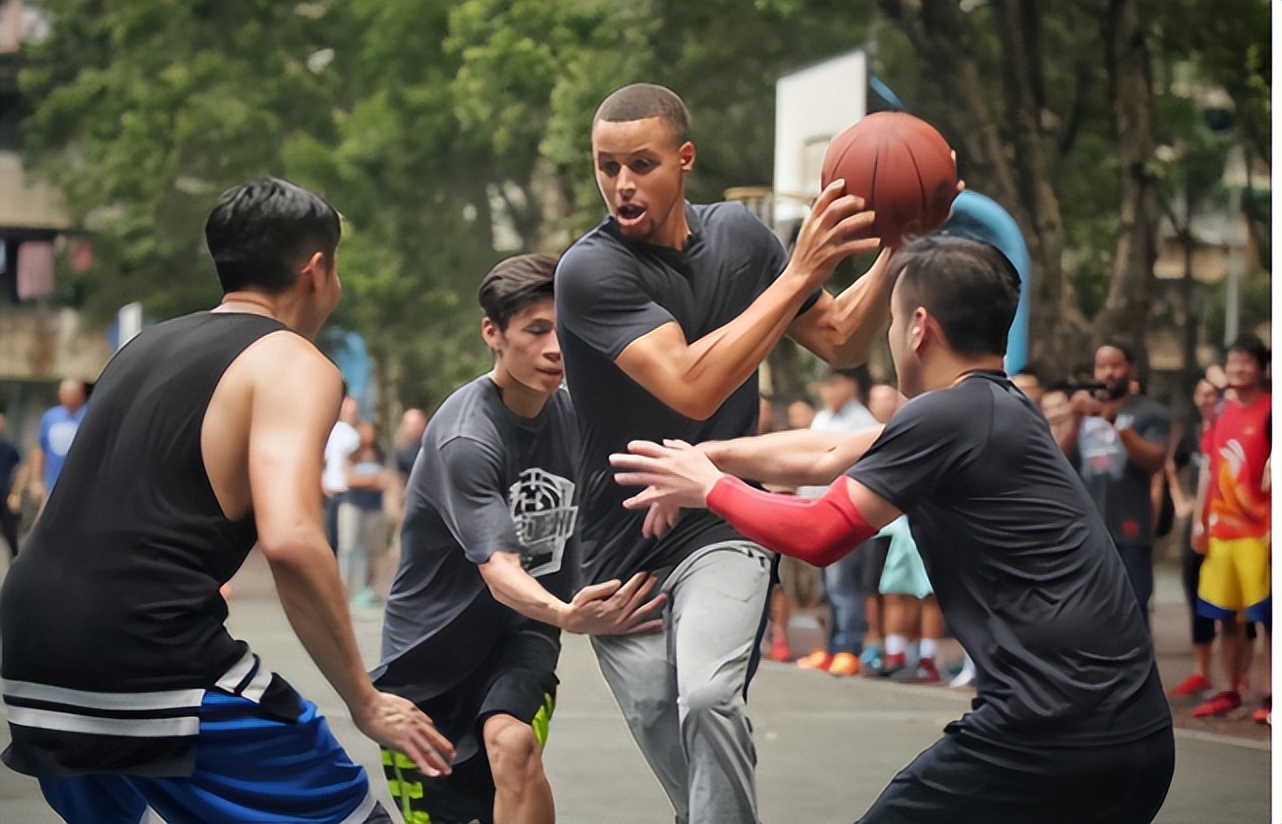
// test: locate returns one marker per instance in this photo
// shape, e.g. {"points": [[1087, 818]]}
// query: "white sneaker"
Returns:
{"points": [[966, 676]]}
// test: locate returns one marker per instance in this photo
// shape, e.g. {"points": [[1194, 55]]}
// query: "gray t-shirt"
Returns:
{"points": [[1119, 488], [485, 481], [610, 291]]}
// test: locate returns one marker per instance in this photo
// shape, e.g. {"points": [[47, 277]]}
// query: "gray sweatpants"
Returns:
{"points": [[681, 691]]}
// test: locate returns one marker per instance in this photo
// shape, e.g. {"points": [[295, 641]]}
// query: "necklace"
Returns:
{"points": [[264, 305]]}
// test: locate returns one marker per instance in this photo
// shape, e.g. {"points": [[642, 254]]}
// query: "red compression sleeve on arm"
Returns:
{"points": [[819, 530]]}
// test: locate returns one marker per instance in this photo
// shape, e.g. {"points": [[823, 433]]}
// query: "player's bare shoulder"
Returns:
{"points": [[280, 380]]}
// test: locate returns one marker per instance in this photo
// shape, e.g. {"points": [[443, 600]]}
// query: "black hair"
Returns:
{"points": [[969, 287], [514, 284], [1253, 346], [1127, 352], [261, 233], [641, 100]]}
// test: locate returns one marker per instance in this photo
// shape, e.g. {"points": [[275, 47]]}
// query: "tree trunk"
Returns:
{"points": [[1016, 174], [1124, 317]]}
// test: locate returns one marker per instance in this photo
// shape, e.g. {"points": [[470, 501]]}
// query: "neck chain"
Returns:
{"points": [[261, 304]]}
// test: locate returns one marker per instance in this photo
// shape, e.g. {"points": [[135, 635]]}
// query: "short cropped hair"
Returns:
{"points": [[261, 233], [514, 284], [1253, 346], [641, 100], [969, 287], [1126, 351]]}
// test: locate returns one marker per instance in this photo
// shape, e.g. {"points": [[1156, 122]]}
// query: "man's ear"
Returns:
{"points": [[921, 329], [491, 334], [686, 153], [315, 271]]}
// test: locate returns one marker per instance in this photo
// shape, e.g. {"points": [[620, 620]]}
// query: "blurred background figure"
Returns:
{"points": [[10, 502], [1030, 383], [343, 441], [1184, 484], [362, 527], [844, 394]]}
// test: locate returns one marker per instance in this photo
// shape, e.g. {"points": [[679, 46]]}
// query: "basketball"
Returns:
{"points": [[902, 168]]}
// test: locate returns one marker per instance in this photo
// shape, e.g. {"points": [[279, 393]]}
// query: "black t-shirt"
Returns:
{"points": [[10, 457], [1023, 568], [610, 291], [486, 481]]}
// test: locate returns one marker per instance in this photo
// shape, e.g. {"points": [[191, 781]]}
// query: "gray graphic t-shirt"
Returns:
{"points": [[485, 481], [1119, 488]]}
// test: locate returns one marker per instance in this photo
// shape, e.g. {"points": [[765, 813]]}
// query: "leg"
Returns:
{"points": [[959, 780], [717, 597], [841, 579], [521, 791], [1138, 560], [351, 555], [253, 767], [103, 799], [637, 669]]}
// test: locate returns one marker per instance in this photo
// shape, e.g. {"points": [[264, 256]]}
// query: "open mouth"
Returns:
{"points": [[630, 211]]}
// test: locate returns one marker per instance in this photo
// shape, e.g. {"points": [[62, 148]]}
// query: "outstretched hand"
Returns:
{"points": [[397, 724], [615, 608], [674, 474]]}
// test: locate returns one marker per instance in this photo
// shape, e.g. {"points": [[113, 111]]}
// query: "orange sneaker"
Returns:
{"points": [[1195, 683], [844, 663], [1264, 715], [817, 660]]}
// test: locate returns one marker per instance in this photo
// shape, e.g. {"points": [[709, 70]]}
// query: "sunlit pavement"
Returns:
{"points": [[826, 746]]}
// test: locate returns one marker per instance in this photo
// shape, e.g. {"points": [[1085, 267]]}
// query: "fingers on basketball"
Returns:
{"points": [[901, 166]]}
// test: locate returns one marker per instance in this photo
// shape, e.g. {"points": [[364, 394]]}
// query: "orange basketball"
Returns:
{"points": [[902, 168]]}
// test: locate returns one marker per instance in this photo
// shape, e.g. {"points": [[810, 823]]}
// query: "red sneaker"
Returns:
{"points": [[1195, 683], [779, 649], [1220, 703]]}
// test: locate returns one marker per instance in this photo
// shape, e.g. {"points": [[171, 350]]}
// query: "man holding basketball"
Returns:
{"points": [[664, 312], [1070, 723]]}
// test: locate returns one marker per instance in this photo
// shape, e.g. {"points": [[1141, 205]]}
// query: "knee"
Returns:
{"points": [[710, 698], [513, 753]]}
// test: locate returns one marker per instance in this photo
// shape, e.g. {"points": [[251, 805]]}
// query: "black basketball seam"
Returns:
{"points": [[925, 203]]}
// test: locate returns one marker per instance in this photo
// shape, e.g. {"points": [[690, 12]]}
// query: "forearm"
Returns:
{"points": [[1145, 454], [798, 457], [696, 378], [515, 588], [818, 531], [844, 335], [312, 596]]}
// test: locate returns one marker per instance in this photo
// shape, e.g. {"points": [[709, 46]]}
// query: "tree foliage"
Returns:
{"points": [[450, 133]]}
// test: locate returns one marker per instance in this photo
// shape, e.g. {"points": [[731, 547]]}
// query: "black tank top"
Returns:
{"points": [[116, 588]]}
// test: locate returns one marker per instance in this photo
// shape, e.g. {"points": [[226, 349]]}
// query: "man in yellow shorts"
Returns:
{"points": [[1234, 524]]}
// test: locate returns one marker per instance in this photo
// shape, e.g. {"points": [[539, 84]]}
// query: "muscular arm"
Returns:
{"points": [[293, 404], [694, 379], [602, 609], [842, 329], [798, 457], [819, 531]]}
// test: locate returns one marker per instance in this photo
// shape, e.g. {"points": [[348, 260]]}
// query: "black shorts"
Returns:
{"points": [[961, 780], [518, 679], [872, 554]]}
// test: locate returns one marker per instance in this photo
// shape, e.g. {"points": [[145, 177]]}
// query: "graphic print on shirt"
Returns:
{"points": [[1234, 501], [541, 508]]}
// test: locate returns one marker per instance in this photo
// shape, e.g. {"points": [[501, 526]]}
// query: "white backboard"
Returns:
{"points": [[812, 105]]}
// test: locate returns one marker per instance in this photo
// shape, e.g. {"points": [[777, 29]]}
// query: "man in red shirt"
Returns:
{"points": [[1234, 518]]}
